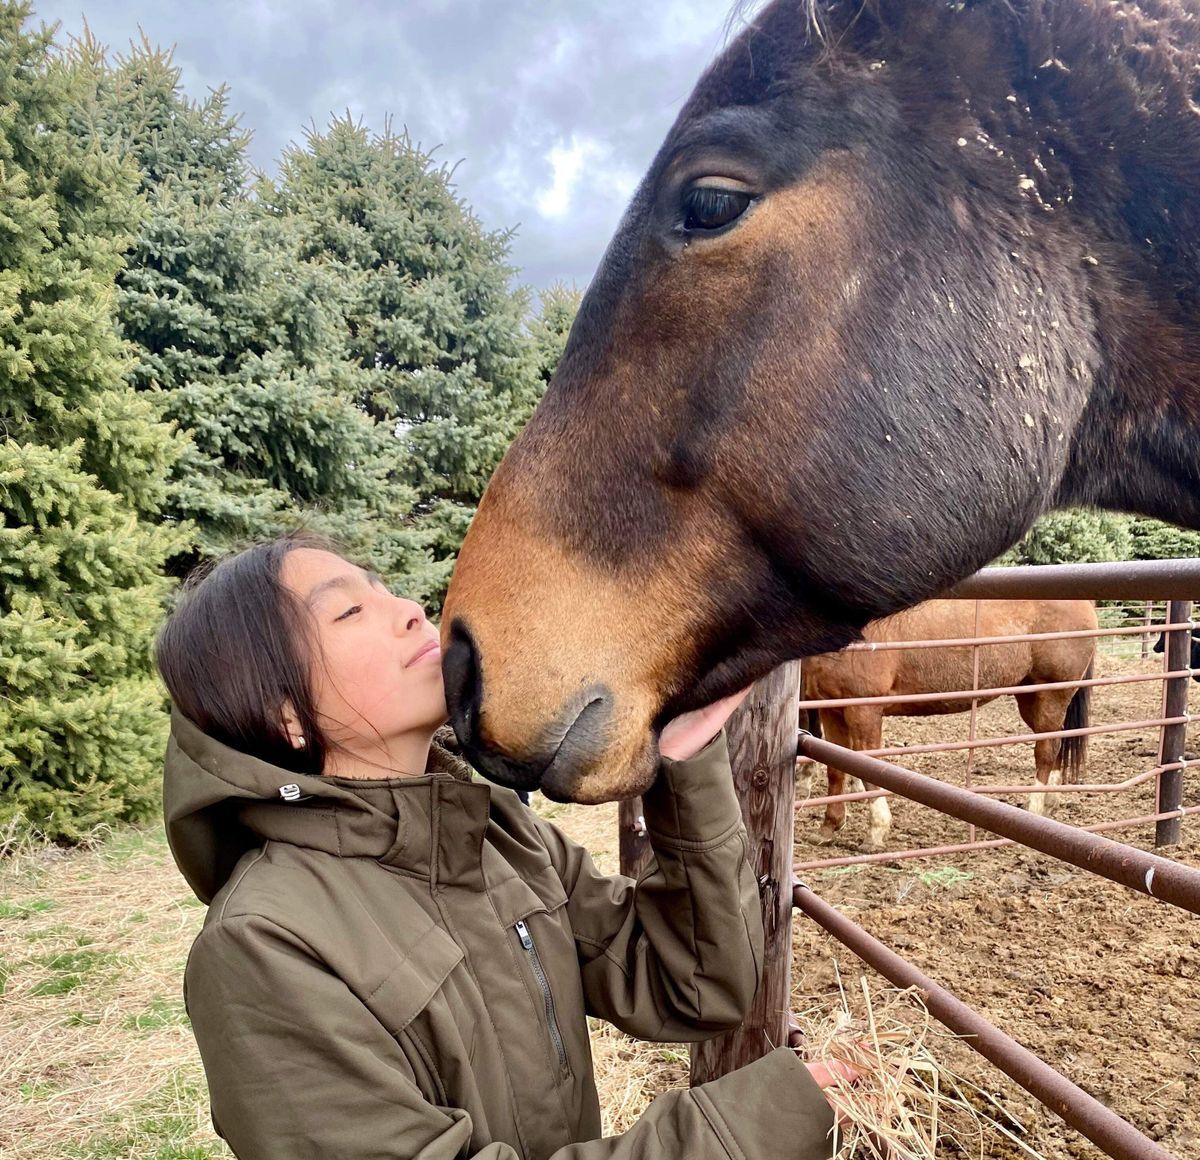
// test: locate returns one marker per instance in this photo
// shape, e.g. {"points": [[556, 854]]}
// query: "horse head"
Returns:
{"points": [[881, 299]]}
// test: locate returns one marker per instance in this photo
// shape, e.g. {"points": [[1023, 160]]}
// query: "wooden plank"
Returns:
{"points": [[762, 749]]}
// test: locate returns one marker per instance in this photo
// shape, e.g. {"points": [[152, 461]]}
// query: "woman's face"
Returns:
{"points": [[378, 678]]}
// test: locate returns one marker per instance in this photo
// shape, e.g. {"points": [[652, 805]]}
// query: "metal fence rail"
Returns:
{"points": [[1127, 580], [1082, 1111], [1141, 871]]}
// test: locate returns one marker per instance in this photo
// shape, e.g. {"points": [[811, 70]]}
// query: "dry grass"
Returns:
{"points": [[906, 1103], [96, 1057]]}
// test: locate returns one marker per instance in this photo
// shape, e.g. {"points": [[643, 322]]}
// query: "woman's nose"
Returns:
{"points": [[409, 615]]}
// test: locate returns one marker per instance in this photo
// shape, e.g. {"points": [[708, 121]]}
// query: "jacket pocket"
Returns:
{"points": [[415, 980]]}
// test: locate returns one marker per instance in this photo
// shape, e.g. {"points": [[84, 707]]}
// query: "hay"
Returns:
{"points": [[906, 1102]]}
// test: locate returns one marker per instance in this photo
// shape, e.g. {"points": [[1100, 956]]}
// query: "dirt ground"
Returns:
{"points": [[1101, 982]]}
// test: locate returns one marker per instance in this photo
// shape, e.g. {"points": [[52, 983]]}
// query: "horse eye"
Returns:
{"points": [[706, 207]]}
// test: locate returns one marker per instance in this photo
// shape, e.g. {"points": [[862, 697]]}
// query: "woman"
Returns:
{"points": [[397, 960]]}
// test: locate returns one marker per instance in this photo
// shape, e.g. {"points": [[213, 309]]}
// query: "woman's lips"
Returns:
{"points": [[431, 651]]}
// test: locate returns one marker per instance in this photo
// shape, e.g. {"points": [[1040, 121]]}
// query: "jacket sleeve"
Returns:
{"points": [[676, 956], [299, 1069]]}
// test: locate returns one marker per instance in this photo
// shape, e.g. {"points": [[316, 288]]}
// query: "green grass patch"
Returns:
{"points": [[62, 932], [161, 1013], [6, 970], [945, 877], [128, 844], [58, 985], [162, 1127], [72, 969], [38, 1091], [81, 1019], [12, 909], [941, 877], [82, 961]]}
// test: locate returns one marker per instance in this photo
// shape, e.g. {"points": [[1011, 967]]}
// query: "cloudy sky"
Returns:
{"points": [[554, 107]]}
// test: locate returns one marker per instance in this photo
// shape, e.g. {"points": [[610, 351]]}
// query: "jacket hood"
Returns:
{"points": [[210, 793]]}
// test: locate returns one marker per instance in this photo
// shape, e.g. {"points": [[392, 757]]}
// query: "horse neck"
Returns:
{"points": [[1138, 445]]}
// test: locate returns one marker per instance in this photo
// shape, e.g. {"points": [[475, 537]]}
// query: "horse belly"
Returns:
{"points": [[952, 670], [932, 708]]}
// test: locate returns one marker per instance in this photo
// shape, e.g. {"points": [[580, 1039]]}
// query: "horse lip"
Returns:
{"points": [[585, 731], [531, 773]]}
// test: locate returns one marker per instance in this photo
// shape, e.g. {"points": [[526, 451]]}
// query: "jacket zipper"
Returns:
{"points": [[547, 998]]}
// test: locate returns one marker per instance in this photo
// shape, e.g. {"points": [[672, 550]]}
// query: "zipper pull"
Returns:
{"points": [[523, 935]]}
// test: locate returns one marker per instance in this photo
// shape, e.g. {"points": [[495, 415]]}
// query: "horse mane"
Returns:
{"points": [[1091, 104]]}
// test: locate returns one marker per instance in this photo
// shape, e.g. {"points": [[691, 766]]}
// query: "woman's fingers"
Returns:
{"points": [[690, 732], [828, 1072]]}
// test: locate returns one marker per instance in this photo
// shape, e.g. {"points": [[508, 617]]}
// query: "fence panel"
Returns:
{"points": [[771, 829]]}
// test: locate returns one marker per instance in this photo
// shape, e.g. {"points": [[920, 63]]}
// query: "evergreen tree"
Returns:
{"points": [[83, 463], [1154, 540], [549, 329], [1077, 536], [236, 339], [434, 335]]}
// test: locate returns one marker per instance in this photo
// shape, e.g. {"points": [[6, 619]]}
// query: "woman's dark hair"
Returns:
{"points": [[237, 647]]}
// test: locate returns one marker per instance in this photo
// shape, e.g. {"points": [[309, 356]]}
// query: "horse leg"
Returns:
{"points": [[1044, 713], [833, 725], [866, 732]]}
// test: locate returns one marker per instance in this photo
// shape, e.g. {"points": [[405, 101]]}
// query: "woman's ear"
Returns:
{"points": [[291, 726]]}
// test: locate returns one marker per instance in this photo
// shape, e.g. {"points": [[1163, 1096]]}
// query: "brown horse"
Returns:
{"points": [[904, 275], [896, 672]]}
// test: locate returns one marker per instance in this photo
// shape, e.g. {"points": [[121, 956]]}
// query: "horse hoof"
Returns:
{"points": [[823, 836], [874, 846]]}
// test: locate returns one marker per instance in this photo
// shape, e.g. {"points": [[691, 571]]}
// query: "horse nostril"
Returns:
{"points": [[464, 683]]}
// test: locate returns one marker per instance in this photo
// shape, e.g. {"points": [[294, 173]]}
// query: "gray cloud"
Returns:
{"points": [[554, 109]]}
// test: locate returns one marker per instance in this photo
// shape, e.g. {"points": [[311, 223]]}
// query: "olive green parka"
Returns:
{"points": [[402, 968]]}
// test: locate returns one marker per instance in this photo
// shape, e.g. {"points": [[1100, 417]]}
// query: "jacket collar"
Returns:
{"points": [[430, 827], [220, 803]]}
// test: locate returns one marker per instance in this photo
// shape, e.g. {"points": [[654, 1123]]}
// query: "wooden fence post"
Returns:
{"points": [[762, 749], [1177, 654], [632, 844]]}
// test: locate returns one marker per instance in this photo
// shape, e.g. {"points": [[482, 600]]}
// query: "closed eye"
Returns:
{"points": [[348, 613]]}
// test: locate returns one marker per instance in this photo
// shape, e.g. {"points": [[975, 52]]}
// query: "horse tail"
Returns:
{"points": [[1073, 754]]}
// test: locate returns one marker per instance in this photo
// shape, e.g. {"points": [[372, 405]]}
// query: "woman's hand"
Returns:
{"points": [[690, 732], [828, 1073]]}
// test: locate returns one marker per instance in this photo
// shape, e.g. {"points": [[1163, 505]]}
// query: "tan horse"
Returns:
{"points": [[895, 672]]}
